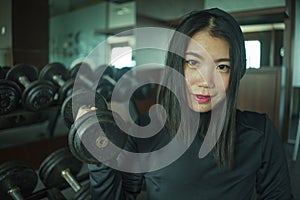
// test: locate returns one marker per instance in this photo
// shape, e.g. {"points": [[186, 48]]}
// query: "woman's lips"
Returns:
{"points": [[202, 98]]}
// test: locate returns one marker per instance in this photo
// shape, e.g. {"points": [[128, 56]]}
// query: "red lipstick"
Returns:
{"points": [[202, 98]]}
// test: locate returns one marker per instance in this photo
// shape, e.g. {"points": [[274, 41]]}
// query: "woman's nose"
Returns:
{"points": [[206, 77]]}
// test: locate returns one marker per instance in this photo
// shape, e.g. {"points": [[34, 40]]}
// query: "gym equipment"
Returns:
{"points": [[86, 76], [101, 141], [59, 169], [37, 94], [82, 97], [86, 128], [106, 82], [131, 81], [17, 180], [10, 93], [111, 76], [84, 194], [58, 74], [55, 194]]}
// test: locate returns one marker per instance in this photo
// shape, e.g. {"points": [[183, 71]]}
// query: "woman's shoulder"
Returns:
{"points": [[252, 120]]}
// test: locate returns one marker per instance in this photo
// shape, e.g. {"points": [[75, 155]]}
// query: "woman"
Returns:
{"points": [[245, 161]]}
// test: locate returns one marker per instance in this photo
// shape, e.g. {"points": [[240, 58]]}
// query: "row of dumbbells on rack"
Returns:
{"points": [[35, 90], [60, 171], [18, 180]]}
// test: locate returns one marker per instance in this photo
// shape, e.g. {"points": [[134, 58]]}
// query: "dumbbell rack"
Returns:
{"points": [[52, 116], [42, 193]]}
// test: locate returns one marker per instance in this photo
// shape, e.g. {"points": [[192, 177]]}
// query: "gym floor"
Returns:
{"points": [[37, 132]]}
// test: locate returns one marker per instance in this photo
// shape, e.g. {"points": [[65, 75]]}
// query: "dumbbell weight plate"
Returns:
{"points": [[120, 72], [106, 86], [29, 71], [39, 95], [10, 94], [105, 81], [66, 90], [51, 168], [58, 69], [85, 79], [81, 98], [17, 174], [109, 70], [85, 69], [103, 142], [53, 69], [80, 153]]}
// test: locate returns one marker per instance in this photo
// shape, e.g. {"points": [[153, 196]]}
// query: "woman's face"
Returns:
{"points": [[206, 71]]}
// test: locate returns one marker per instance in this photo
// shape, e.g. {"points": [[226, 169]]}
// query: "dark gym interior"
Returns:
{"points": [[45, 48]]}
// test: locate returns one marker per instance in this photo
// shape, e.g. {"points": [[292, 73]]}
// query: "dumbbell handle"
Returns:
{"points": [[24, 81], [58, 80], [67, 175], [86, 81], [15, 193]]}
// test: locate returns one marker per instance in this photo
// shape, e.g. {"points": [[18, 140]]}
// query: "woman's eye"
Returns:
{"points": [[223, 68], [192, 63]]}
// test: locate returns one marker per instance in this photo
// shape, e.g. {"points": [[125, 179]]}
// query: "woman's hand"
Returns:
{"points": [[83, 110]]}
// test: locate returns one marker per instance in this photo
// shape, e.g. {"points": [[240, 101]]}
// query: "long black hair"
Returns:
{"points": [[221, 25]]}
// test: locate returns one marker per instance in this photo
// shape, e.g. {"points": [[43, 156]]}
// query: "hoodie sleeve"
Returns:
{"points": [[273, 181]]}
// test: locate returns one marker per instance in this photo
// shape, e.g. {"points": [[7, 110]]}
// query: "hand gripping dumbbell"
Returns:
{"points": [[17, 180], [37, 94], [85, 130], [69, 108], [60, 76], [59, 169], [10, 94]]}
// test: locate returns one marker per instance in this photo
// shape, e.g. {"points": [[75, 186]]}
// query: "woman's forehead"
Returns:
{"points": [[205, 44]]}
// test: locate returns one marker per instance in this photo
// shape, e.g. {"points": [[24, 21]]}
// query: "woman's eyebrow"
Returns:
{"points": [[194, 54], [201, 57], [222, 60]]}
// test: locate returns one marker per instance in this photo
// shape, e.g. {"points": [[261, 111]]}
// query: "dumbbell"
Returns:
{"points": [[59, 169], [58, 74], [55, 194], [82, 97], [84, 194], [17, 180], [106, 82], [85, 77], [37, 94], [131, 81], [86, 130], [10, 93]]}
